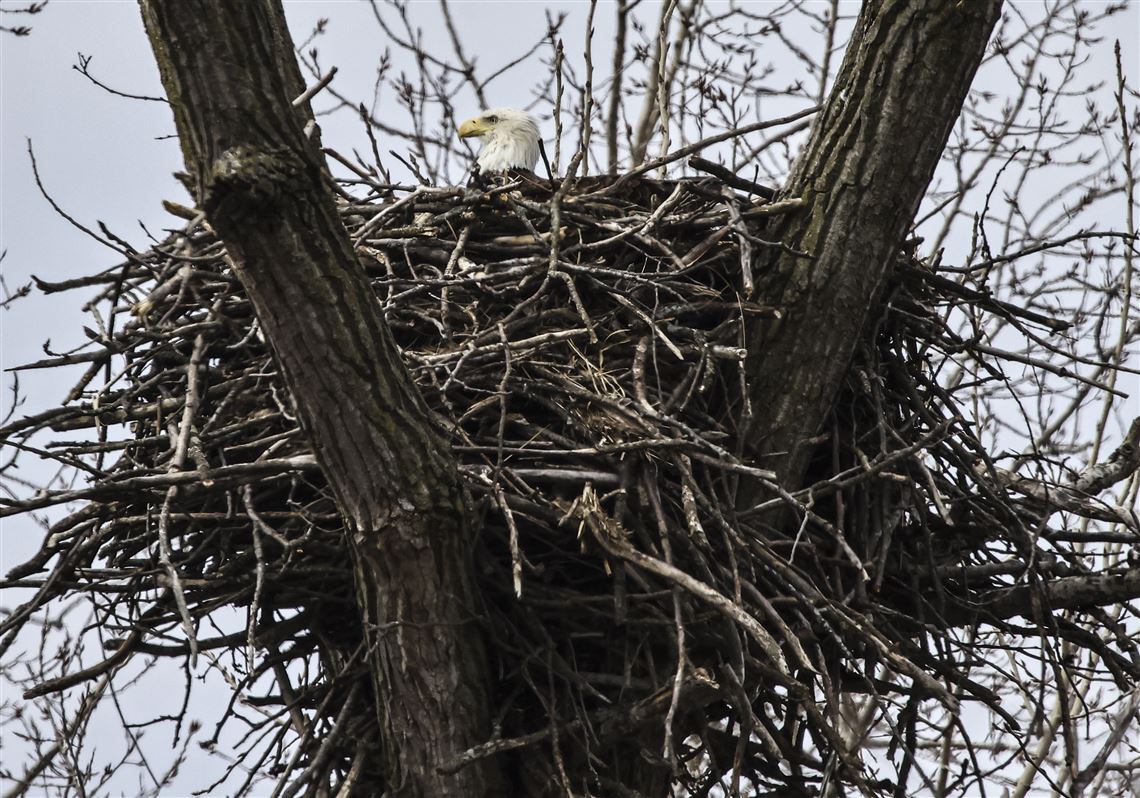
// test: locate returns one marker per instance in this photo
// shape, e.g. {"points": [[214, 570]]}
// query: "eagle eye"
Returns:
{"points": [[493, 119]]}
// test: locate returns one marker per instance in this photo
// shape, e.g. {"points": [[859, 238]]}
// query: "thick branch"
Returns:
{"points": [[231, 77], [1084, 592], [872, 151]]}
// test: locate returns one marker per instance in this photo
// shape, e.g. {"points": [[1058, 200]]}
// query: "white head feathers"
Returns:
{"points": [[510, 139]]}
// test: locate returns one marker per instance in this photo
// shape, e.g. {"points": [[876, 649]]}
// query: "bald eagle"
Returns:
{"points": [[510, 139], [512, 146]]}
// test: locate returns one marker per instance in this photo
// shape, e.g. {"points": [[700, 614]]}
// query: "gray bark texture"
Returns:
{"points": [[872, 152], [231, 75]]}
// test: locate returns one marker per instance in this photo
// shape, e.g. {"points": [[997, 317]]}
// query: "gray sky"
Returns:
{"points": [[105, 158]]}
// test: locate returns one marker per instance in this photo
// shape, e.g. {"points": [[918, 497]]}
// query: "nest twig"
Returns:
{"points": [[588, 370]]}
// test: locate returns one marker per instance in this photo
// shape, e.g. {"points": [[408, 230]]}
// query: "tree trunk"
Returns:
{"points": [[872, 152], [230, 73]]}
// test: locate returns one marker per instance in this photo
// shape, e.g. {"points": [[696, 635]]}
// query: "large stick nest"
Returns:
{"points": [[594, 408]]}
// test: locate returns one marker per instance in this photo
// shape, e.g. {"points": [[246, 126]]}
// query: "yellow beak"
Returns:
{"points": [[472, 127]]}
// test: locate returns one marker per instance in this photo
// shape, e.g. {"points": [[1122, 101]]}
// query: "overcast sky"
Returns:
{"points": [[108, 159]]}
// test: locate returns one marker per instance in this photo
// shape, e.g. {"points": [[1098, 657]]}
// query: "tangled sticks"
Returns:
{"points": [[585, 355]]}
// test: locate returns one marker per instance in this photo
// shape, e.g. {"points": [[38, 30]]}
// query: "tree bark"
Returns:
{"points": [[872, 151], [231, 75]]}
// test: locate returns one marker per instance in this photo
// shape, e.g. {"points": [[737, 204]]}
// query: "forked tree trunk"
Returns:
{"points": [[872, 151], [231, 76]]}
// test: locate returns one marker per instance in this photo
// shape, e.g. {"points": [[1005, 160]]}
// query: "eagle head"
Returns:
{"points": [[510, 139]]}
